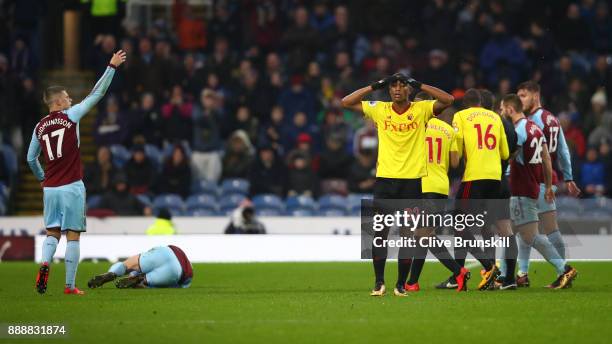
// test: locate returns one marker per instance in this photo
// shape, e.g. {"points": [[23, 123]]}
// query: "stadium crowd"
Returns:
{"points": [[254, 91]]}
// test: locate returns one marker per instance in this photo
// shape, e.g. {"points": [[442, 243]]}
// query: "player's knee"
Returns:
{"points": [[73, 235], [54, 232]]}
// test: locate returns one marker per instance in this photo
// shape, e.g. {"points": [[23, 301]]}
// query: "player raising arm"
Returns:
{"points": [[402, 158], [57, 135]]}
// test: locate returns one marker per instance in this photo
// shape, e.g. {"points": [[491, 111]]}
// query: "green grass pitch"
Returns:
{"points": [[311, 303]]}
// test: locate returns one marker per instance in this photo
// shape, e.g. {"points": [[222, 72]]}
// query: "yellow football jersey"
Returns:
{"points": [[482, 141], [401, 138], [439, 142]]}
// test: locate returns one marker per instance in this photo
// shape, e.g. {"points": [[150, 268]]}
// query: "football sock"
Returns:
{"points": [[48, 249], [445, 258], [548, 251], [73, 252], [403, 269], [420, 252], [502, 262], [524, 251], [556, 239], [118, 269], [379, 268], [510, 254]]}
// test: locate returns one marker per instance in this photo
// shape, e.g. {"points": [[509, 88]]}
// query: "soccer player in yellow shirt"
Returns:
{"points": [[441, 154], [482, 141], [401, 152]]}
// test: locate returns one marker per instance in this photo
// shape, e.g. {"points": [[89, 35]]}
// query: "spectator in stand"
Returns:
{"points": [[362, 175], [271, 133], [298, 99], [334, 161], [365, 138], [238, 156], [254, 96], [321, 19], [300, 40], [176, 174], [190, 29], [226, 23], [146, 122], [601, 76], [148, 70], [438, 71], [207, 145], [300, 126], [140, 172], [9, 96], [339, 37], [100, 173], [540, 46], [601, 28], [334, 126], [593, 174], [30, 107], [606, 158], [5, 175], [176, 115], [112, 127], [267, 175], [599, 121], [263, 21], [191, 76], [221, 61], [244, 121], [572, 31], [573, 135], [502, 56], [302, 180], [243, 221], [22, 61], [574, 100], [303, 147], [121, 202]]}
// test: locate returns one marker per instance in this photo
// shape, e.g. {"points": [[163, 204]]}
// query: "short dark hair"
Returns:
{"points": [[530, 86], [514, 101], [52, 91], [423, 96], [472, 98], [487, 98]]}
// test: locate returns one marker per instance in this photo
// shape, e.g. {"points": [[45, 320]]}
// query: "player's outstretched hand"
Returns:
{"points": [[118, 58], [573, 189], [549, 194]]}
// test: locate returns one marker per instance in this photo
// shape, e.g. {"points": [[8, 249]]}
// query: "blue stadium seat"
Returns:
{"points": [[121, 155], [300, 203], [354, 203], [324, 211], [10, 159], [204, 186], [329, 202], [202, 202], [144, 199], [268, 202], [268, 212], [235, 186], [94, 201], [596, 214], [4, 192], [568, 204], [172, 202], [201, 212], [300, 212], [155, 155], [230, 202]]}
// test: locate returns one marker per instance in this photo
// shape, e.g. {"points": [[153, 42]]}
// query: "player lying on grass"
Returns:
{"points": [[159, 267], [530, 167]]}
